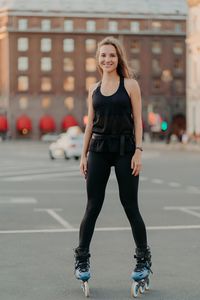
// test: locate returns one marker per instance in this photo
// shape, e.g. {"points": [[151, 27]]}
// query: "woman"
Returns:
{"points": [[113, 137]]}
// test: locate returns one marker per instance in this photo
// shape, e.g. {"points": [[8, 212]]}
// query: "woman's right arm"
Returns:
{"points": [[88, 133]]}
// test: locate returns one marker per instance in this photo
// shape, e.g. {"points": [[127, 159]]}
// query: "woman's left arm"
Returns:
{"points": [[136, 103]]}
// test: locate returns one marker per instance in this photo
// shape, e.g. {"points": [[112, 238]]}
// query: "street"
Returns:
{"points": [[41, 206]]}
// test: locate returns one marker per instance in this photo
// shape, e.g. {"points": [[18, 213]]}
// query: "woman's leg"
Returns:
{"points": [[97, 178], [128, 190]]}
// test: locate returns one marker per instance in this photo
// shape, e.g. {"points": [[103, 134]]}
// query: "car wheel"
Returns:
{"points": [[51, 155], [66, 157], [76, 157]]}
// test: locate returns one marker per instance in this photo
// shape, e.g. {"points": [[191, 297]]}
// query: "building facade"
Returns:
{"points": [[47, 58], [193, 69]]}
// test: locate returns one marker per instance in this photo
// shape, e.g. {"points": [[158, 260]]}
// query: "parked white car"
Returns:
{"points": [[49, 137], [74, 130], [67, 146]]}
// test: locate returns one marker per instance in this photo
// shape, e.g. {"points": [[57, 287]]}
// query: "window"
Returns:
{"points": [[68, 25], [68, 84], [156, 84], [156, 66], [23, 103], [22, 44], [135, 47], [23, 83], [22, 24], [69, 103], [46, 102], [46, 85], [46, 64], [68, 64], [22, 63], [178, 48], [45, 45], [179, 87], [178, 27], [46, 25], [156, 47], [90, 81], [166, 75], [135, 26], [90, 45], [90, 26], [112, 26], [68, 45], [178, 65], [90, 65], [156, 26], [135, 65]]}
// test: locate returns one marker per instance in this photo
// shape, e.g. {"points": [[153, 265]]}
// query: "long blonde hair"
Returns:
{"points": [[123, 69]]}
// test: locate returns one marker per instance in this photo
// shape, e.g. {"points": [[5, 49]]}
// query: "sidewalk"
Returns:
{"points": [[172, 146]]}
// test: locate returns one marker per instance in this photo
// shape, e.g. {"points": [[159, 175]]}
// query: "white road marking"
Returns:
{"points": [[57, 217], [40, 176], [142, 178], [174, 184], [36, 169], [157, 181], [100, 229], [172, 227], [82, 191], [19, 200], [187, 209], [193, 189]]}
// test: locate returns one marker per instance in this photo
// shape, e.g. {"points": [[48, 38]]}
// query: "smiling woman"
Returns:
{"points": [[106, 48], [113, 137]]}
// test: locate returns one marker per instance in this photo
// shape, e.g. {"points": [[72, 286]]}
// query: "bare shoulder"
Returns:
{"points": [[131, 85], [93, 87]]}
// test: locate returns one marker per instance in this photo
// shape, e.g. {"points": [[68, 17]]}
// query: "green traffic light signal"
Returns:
{"points": [[164, 126]]}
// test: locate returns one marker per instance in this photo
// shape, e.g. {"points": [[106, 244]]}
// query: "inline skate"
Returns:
{"points": [[141, 273], [82, 268]]}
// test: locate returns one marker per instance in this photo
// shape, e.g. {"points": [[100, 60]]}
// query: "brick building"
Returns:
{"points": [[47, 51]]}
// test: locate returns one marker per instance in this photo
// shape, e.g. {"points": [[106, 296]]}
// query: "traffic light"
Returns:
{"points": [[164, 126]]}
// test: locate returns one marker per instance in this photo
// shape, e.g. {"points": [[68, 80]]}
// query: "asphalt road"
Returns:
{"points": [[42, 203]]}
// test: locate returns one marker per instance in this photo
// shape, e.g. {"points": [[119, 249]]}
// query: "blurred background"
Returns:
{"points": [[47, 63]]}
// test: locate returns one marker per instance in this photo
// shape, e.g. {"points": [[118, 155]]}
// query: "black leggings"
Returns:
{"points": [[99, 166]]}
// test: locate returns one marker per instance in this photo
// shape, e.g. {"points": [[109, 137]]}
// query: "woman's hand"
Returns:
{"points": [[136, 164], [83, 166]]}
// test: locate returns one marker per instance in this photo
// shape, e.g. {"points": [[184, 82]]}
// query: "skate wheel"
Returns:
{"points": [[134, 290], [86, 289], [147, 284], [142, 288]]}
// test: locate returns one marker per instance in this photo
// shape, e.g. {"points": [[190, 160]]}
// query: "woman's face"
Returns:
{"points": [[108, 59]]}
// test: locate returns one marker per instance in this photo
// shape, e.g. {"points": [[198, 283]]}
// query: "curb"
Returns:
{"points": [[176, 147]]}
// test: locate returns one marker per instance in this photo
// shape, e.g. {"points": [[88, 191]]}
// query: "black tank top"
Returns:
{"points": [[113, 121]]}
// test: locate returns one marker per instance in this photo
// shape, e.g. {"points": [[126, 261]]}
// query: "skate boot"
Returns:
{"points": [[82, 268], [141, 273], [82, 264]]}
